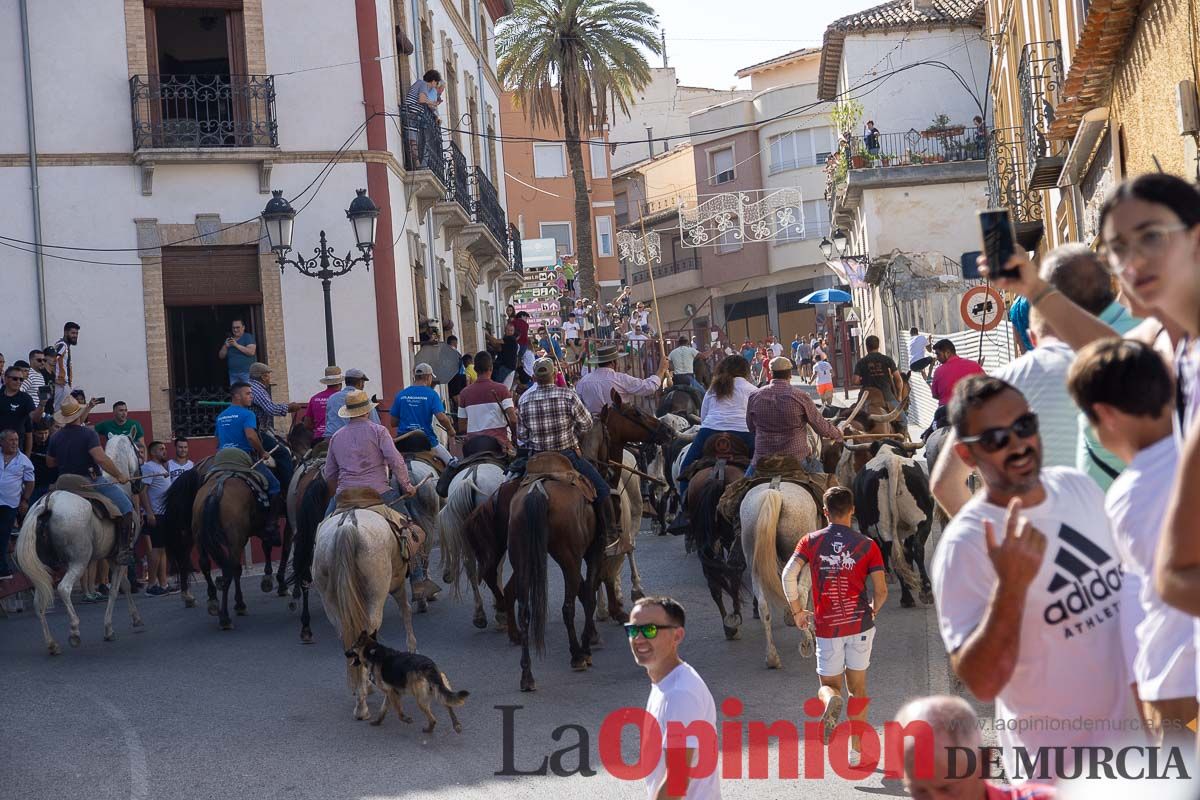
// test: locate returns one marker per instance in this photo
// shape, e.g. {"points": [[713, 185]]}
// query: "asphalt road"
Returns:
{"points": [[183, 710]]}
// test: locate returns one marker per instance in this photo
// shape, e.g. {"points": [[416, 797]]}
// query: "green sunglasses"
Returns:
{"points": [[649, 631]]}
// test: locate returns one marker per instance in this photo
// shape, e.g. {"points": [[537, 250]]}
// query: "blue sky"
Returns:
{"points": [[709, 40]]}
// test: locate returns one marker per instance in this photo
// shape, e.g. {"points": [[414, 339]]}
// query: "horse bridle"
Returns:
{"points": [[655, 433]]}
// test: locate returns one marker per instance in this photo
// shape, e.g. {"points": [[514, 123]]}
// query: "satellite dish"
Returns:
{"points": [[444, 359]]}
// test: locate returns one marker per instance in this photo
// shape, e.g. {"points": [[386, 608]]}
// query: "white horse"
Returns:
{"points": [[357, 563], [469, 488], [78, 537], [423, 508], [773, 522]]}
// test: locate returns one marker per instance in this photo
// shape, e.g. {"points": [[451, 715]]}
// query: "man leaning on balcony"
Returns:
{"points": [[871, 139]]}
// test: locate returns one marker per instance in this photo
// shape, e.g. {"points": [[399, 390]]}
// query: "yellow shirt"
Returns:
{"points": [[470, 373]]}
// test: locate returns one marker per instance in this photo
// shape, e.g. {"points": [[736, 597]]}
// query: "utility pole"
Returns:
{"points": [[663, 33]]}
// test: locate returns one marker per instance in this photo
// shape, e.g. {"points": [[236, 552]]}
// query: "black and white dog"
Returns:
{"points": [[396, 673]]}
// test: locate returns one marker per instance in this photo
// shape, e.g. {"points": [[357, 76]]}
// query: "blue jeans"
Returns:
{"points": [[112, 491], [283, 461], [239, 377], [389, 497], [697, 450], [686, 379], [272, 481]]}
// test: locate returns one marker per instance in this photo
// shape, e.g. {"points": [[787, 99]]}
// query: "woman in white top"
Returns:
{"points": [[723, 410]]}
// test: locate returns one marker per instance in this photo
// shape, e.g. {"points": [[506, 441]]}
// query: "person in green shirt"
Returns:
{"points": [[121, 424], [569, 276]]}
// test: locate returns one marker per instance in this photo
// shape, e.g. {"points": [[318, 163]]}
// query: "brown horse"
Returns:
{"points": [[307, 500], [550, 517], [712, 536], [226, 513]]}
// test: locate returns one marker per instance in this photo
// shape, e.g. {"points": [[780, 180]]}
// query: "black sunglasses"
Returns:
{"points": [[649, 631], [995, 439]]}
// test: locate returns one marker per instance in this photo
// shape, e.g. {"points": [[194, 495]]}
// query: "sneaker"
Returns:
{"points": [[102, 590], [170, 589], [93, 597], [155, 591], [833, 712]]}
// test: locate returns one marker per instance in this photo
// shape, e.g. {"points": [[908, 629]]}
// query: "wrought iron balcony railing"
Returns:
{"points": [[955, 143], [487, 210], [1008, 185], [514, 248], [203, 111], [662, 271], [460, 180], [1039, 81], [423, 144]]}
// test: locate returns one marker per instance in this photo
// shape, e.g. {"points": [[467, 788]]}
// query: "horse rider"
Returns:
{"points": [[415, 409], [595, 388], [75, 450], [779, 416], [237, 426], [552, 420], [317, 408], [355, 379], [360, 454], [265, 410]]}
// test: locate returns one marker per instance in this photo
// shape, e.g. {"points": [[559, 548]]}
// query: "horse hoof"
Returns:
{"points": [[54, 649], [480, 621], [362, 714], [226, 624], [927, 597], [637, 594], [620, 617], [306, 636], [579, 664], [283, 592], [733, 620], [732, 634], [587, 660], [267, 583], [139, 623], [74, 640], [109, 636], [907, 602], [189, 602], [213, 609], [528, 686], [422, 606], [773, 662]]}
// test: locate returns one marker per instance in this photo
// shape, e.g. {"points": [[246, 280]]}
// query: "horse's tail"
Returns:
{"points": [[704, 536], [176, 522], [765, 559], [451, 520], [309, 513], [35, 526], [346, 582], [536, 511], [213, 541]]}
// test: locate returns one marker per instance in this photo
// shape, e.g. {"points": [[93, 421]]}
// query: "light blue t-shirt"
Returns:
{"points": [[231, 428], [239, 363], [414, 408]]}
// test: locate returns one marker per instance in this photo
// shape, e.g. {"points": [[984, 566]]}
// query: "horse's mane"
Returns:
{"points": [[118, 447]]}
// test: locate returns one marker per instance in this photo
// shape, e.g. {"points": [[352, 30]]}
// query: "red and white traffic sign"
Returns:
{"points": [[982, 308]]}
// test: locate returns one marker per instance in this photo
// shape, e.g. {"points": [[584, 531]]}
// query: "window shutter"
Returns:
{"points": [[196, 276]]}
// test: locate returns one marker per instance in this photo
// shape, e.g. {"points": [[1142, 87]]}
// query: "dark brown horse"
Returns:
{"points": [[226, 513], [554, 518], [712, 536], [307, 501]]}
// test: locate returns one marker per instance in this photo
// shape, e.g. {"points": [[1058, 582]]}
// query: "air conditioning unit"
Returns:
{"points": [[723, 177]]}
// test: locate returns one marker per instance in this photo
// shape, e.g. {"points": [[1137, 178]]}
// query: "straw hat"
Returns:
{"points": [[69, 410], [358, 404], [333, 376]]}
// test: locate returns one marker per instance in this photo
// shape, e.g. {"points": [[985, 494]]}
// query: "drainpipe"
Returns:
{"points": [[34, 190]]}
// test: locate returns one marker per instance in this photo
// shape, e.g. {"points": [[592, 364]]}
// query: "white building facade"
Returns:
{"points": [[150, 231]]}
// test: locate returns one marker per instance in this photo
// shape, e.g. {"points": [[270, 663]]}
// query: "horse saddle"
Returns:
{"points": [[230, 462], [409, 536], [78, 484], [317, 452], [773, 470], [556, 467], [721, 447]]}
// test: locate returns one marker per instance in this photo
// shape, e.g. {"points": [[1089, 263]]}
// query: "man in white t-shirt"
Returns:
{"points": [[683, 364], [919, 357], [677, 695], [823, 378], [1040, 374], [180, 463], [570, 329], [774, 346], [156, 477], [1136, 427], [1027, 581]]}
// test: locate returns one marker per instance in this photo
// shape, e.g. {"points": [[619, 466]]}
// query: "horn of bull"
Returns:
{"points": [[911, 447], [862, 400], [857, 446], [891, 417]]}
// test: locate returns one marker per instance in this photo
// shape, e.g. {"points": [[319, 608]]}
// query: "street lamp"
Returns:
{"points": [[279, 219], [840, 241]]}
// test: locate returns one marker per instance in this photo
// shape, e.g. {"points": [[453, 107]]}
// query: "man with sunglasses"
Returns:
{"points": [[16, 407], [677, 692], [1028, 586]]}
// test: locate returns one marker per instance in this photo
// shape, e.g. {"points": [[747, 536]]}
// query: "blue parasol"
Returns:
{"points": [[826, 296]]}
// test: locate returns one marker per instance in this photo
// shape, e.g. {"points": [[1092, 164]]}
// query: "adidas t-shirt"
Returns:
{"points": [[1070, 688]]}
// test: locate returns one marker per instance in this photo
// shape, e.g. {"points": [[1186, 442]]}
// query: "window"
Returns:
{"points": [[560, 232], [816, 219], [804, 148], [599, 161], [721, 165], [621, 206], [730, 241], [549, 160], [604, 236]]}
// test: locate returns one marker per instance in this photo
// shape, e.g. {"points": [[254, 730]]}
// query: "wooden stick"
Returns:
{"points": [[662, 345], [870, 436], [637, 472]]}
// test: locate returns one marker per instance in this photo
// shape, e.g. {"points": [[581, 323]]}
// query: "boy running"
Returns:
{"points": [[843, 615]]}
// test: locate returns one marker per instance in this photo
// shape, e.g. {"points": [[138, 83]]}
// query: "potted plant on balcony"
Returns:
{"points": [[859, 159], [941, 128], [885, 159]]}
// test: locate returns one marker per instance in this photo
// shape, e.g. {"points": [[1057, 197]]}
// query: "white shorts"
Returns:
{"points": [[835, 656]]}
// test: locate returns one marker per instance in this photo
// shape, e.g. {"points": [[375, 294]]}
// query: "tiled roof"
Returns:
{"points": [[905, 14], [778, 60], [894, 15]]}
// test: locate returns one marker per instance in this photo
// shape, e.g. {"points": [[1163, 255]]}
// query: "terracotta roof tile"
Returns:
{"points": [[902, 14]]}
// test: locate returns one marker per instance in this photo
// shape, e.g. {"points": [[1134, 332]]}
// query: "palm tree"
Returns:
{"points": [[566, 61]]}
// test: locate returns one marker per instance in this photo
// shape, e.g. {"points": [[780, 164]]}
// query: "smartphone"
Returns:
{"points": [[970, 265], [100, 401], [999, 242]]}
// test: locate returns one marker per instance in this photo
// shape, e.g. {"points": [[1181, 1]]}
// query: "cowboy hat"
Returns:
{"points": [[605, 354], [357, 405], [69, 410], [333, 376]]}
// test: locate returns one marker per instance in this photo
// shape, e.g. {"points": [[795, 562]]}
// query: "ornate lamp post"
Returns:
{"points": [[278, 218]]}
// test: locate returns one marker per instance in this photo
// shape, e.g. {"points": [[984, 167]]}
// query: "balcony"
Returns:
{"points": [[1040, 80], [487, 235], [918, 148], [425, 164], [1007, 175], [514, 249], [665, 270], [453, 213], [214, 119]]}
